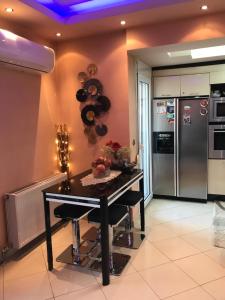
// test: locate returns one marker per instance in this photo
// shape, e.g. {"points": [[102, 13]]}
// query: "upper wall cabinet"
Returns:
{"points": [[217, 77], [195, 85], [168, 86]]}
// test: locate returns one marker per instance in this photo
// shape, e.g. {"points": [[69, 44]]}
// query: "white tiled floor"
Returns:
{"points": [[177, 261]]}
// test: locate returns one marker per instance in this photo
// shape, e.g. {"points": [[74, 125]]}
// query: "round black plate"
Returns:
{"points": [[101, 130], [82, 95], [88, 114], [104, 103], [94, 87]]}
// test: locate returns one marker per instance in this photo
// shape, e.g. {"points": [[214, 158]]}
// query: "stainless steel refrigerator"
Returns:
{"points": [[180, 150]]}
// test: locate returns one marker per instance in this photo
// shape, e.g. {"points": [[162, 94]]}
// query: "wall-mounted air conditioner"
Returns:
{"points": [[18, 51]]}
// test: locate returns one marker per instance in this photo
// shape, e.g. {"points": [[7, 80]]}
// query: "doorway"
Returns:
{"points": [[144, 133]]}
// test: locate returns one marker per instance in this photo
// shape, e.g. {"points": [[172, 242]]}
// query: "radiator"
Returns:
{"points": [[25, 212]]}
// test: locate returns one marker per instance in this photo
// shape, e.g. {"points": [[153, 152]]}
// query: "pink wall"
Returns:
{"points": [[27, 117], [109, 54]]}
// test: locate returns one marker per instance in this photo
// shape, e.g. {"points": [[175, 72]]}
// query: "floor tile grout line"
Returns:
{"points": [[191, 216], [152, 287], [210, 281], [176, 238], [100, 287], [205, 252], [173, 260], [200, 250], [178, 220], [3, 281], [24, 276], [202, 286], [184, 273], [152, 266], [193, 278], [74, 291], [183, 218], [208, 210], [185, 292], [42, 251], [163, 209], [119, 278], [148, 285]]}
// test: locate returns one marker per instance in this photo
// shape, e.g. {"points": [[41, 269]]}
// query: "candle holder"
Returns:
{"points": [[62, 142]]}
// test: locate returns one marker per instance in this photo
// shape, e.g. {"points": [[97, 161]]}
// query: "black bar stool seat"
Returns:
{"points": [[116, 214], [78, 252], [130, 198], [129, 238], [70, 212]]}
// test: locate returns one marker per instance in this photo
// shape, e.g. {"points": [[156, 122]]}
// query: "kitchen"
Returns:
{"points": [[187, 120]]}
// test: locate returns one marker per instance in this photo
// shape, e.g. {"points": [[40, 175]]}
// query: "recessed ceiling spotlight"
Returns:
{"points": [[58, 34], [123, 22], [8, 10], [204, 7]]}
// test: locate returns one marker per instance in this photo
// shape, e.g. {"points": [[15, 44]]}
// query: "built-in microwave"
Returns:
{"points": [[217, 141], [217, 110]]}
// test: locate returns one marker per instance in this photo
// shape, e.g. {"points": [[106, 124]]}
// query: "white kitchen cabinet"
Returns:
{"points": [[195, 85], [216, 176], [168, 86], [217, 77]]}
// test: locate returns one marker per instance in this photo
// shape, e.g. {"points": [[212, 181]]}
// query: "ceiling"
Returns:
{"points": [[35, 20], [75, 11], [158, 56]]}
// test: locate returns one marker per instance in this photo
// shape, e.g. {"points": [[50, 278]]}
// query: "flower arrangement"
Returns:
{"points": [[116, 153]]}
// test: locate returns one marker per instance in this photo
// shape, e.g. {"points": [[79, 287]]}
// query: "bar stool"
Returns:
{"points": [[117, 261], [77, 253], [129, 238]]}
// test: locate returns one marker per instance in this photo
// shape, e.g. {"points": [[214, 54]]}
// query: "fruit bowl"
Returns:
{"points": [[101, 167]]}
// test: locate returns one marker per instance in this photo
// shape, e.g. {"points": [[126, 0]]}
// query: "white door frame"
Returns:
{"points": [[147, 80]]}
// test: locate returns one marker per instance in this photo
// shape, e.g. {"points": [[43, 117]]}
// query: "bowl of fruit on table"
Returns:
{"points": [[101, 167]]}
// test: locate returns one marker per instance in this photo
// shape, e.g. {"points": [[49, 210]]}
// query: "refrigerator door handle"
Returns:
{"points": [[175, 148], [177, 141]]}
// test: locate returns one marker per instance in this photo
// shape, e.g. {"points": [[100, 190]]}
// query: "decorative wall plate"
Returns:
{"points": [[101, 129], [92, 69], [82, 77], [92, 90], [81, 95], [94, 87], [88, 114], [104, 103]]}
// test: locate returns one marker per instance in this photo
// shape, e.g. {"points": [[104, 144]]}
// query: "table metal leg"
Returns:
{"points": [[142, 205], [105, 241], [48, 234]]}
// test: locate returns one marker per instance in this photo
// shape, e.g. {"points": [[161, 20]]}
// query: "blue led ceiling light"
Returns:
{"points": [[95, 5], [68, 8]]}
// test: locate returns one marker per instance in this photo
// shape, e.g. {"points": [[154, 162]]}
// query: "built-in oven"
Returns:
{"points": [[217, 109], [217, 141]]}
